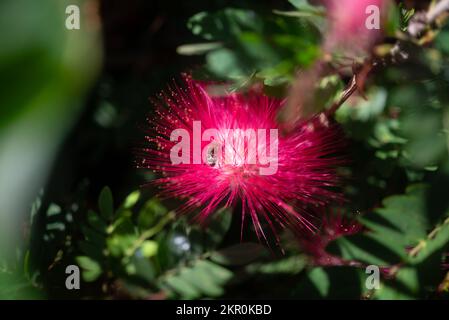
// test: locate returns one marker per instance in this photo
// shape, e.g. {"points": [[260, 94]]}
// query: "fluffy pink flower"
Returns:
{"points": [[348, 24], [302, 172]]}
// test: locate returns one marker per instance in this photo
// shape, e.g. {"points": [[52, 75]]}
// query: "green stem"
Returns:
{"points": [[150, 232]]}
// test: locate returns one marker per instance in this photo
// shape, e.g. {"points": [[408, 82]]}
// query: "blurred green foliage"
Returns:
{"points": [[44, 75], [246, 44], [131, 244]]}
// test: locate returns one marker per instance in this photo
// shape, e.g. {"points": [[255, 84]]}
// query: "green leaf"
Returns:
{"points": [[366, 109], [200, 278], [220, 274], [320, 280], [211, 234], [202, 281], [289, 265], [405, 286], [224, 24], [143, 268], [419, 278], [224, 63], [96, 222], [91, 268], [218, 226], [304, 5], [124, 225], [150, 213], [402, 216], [118, 244], [131, 199], [421, 117], [401, 223], [106, 203], [316, 15], [53, 210], [149, 248], [239, 254], [182, 287], [198, 48], [15, 286], [364, 249], [437, 243], [331, 283]]}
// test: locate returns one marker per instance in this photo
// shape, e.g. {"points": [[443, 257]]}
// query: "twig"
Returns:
{"points": [[150, 233], [422, 243], [350, 89]]}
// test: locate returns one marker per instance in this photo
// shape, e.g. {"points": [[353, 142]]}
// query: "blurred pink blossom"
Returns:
{"points": [[354, 26]]}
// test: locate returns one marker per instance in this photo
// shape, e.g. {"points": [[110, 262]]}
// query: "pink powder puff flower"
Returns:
{"points": [[300, 174]]}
